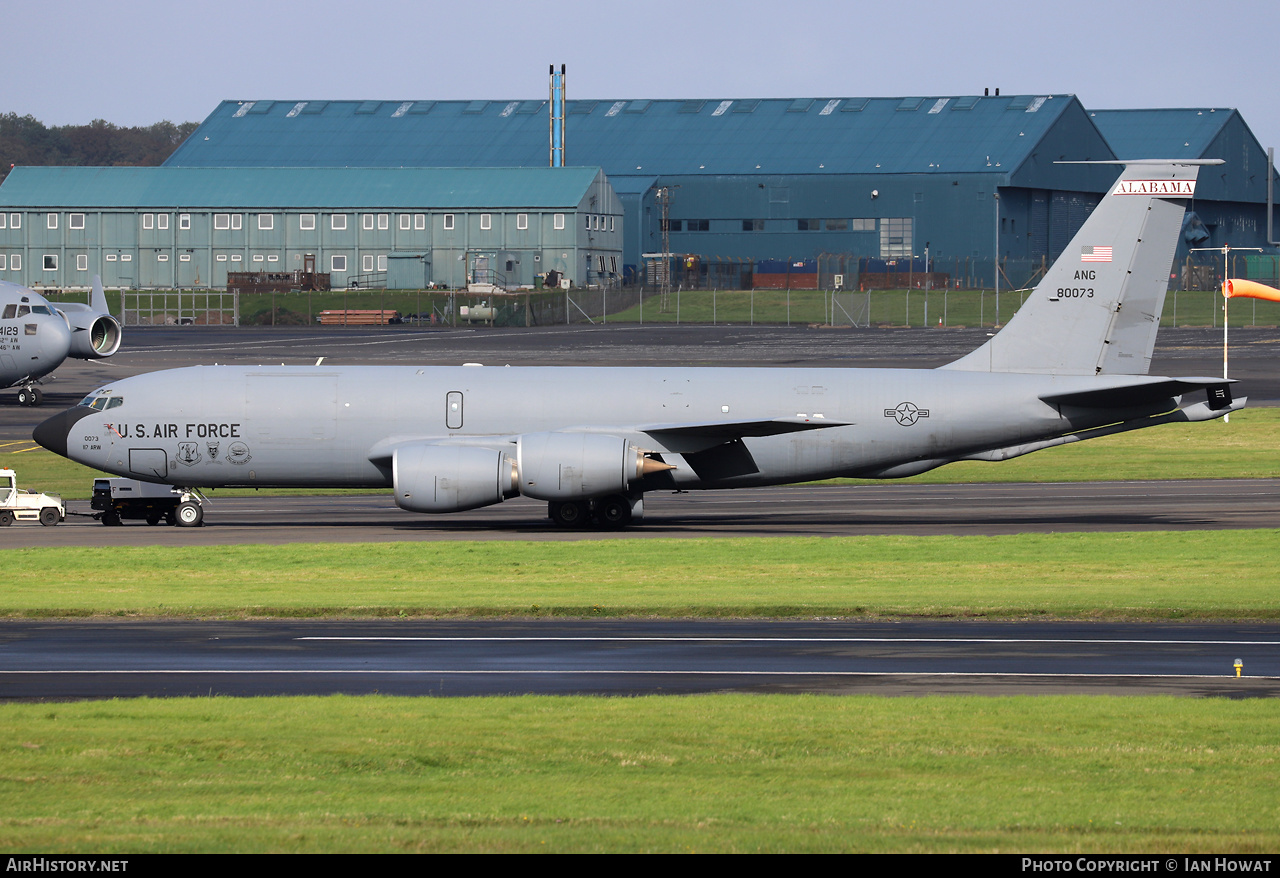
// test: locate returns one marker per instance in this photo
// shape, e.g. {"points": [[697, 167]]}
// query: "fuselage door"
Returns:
{"points": [[453, 410], [149, 462]]}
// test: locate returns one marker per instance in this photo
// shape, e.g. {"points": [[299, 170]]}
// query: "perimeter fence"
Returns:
{"points": [[844, 296]]}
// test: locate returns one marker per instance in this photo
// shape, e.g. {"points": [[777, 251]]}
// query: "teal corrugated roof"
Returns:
{"points": [[729, 136], [1162, 134], [283, 188]]}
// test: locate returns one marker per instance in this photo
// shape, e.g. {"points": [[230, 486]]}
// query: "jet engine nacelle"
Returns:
{"points": [[451, 478], [94, 335], [578, 466]]}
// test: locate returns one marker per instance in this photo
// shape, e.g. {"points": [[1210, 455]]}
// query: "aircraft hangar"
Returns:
{"points": [[790, 179], [167, 227], [787, 182]]}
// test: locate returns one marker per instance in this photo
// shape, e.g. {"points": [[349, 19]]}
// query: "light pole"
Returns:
{"points": [[996, 261]]}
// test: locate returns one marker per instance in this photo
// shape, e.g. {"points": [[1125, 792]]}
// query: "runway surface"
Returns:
{"points": [[76, 660], [1210, 504]]}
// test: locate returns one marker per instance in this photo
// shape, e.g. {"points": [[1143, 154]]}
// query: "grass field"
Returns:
{"points": [[724, 773], [708, 773], [1161, 575]]}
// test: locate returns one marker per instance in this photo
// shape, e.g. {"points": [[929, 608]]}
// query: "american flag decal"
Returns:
{"points": [[1095, 254]]}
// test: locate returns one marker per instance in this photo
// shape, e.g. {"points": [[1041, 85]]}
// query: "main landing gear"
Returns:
{"points": [[613, 512], [30, 395]]}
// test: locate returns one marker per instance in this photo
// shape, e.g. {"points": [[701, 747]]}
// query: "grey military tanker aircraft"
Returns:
{"points": [[37, 335], [1070, 365]]}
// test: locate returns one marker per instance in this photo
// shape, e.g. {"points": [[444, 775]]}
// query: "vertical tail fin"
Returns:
{"points": [[97, 298], [1098, 307]]}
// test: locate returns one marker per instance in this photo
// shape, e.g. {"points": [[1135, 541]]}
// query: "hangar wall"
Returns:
{"points": [[161, 228]]}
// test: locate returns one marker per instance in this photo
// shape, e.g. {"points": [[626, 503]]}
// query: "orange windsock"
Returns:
{"points": [[1248, 289]]}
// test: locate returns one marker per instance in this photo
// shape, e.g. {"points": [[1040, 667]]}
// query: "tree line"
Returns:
{"points": [[25, 140]]}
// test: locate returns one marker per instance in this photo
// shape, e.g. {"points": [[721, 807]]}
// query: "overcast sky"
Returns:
{"points": [[135, 63]]}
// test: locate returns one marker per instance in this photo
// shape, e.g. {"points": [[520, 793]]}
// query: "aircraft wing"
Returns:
{"points": [[693, 437], [1140, 390], [677, 438]]}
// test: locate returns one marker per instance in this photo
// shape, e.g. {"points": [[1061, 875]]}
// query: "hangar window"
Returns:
{"points": [[266, 221], [753, 225], [51, 262], [273, 258], [236, 257], [866, 224], [184, 257], [163, 257], [366, 262], [15, 220], [235, 220], [404, 222], [837, 225], [184, 221], [2, 217], [808, 225], [337, 263], [307, 222], [3, 266], [419, 221], [698, 225], [82, 261], [75, 221], [52, 220], [338, 222], [222, 257], [382, 262], [367, 222], [558, 221], [522, 221], [448, 221], [673, 225], [611, 225], [384, 221], [15, 262], [895, 237], [258, 257], [148, 220], [126, 257], [486, 221], [111, 257], [222, 221], [162, 221]]}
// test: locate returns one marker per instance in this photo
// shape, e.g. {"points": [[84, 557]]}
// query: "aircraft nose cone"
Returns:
{"points": [[52, 434]]}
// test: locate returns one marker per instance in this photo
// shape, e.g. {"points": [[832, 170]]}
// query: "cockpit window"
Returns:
{"points": [[24, 309], [10, 311], [40, 309], [102, 403]]}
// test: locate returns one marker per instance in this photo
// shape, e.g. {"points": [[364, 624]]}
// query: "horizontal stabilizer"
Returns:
{"points": [[1139, 392]]}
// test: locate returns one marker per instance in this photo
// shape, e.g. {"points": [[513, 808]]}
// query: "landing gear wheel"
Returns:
{"points": [[189, 514], [569, 515], [614, 511], [6, 518], [30, 396], [49, 516]]}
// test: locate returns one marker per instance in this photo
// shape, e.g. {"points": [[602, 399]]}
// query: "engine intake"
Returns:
{"points": [[93, 335], [451, 478]]}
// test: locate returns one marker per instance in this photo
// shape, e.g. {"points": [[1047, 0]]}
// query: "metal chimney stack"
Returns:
{"points": [[557, 117]]}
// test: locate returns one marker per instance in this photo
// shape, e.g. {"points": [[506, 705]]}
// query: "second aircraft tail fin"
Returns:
{"points": [[1098, 307]]}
